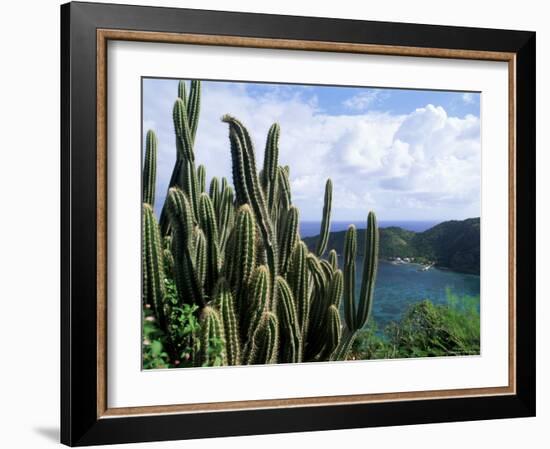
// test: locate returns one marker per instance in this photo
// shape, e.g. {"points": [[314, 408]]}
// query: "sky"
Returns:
{"points": [[405, 154]]}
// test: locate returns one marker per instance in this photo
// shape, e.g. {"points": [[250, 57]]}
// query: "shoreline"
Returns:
{"points": [[422, 265]]}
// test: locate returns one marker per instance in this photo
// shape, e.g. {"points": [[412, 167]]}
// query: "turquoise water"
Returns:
{"points": [[399, 286]]}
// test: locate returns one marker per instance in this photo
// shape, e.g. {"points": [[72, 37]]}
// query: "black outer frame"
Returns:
{"points": [[79, 422]]}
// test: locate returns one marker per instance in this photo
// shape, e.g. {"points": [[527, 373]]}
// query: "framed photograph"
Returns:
{"points": [[282, 224]]}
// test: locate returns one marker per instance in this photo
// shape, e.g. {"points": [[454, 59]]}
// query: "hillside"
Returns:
{"points": [[452, 244]]}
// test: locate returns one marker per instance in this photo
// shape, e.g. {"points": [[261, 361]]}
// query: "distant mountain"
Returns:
{"points": [[452, 244]]}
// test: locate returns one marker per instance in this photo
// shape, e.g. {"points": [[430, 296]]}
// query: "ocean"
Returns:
{"points": [[400, 286], [311, 228]]}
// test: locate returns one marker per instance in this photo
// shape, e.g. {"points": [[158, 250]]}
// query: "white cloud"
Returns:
{"points": [[468, 97], [365, 99], [421, 165]]}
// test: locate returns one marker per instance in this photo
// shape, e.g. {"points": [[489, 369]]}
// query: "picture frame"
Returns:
{"points": [[86, 30]]}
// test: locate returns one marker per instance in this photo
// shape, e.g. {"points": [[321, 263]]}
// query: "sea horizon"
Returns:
{"points": [[311, 228]]}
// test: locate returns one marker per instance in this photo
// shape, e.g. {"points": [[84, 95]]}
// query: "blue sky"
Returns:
{"points": [[406, 154]]}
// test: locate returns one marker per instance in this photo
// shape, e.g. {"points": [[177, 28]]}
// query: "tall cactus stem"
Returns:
{"points": [[325, 223], [201, 178], [333, 259], [370, 267], [265, 341], [193, 107], [291, 340], [208, 223], [226, 305], [181, 222], [350, 252], [201, 256], [212, 333], [288, 238], [150, 168], [241, 254], [248, 190], [182, 91], [298, 278], [152, 266]]}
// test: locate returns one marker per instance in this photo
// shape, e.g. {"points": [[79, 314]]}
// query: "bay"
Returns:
{"points": [[400, 286]]}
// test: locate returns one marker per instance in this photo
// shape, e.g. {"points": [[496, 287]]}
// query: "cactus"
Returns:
{"points": [[357, 316], [333, 332], [285, 198], [235, 255], [226, 305], [200, 256], [333, 259], [288, 237], [291, 339], [150, 168], [182, 91], [226, 216], [181, 221], [257, 302], [241, 255], [201, 179], [265, 341], [325, 224], [298, 278], [212, 333], [248, 190], [193, 107], [208, 222], [269, 172], [152, 265], [185, 114], [214, 192]]}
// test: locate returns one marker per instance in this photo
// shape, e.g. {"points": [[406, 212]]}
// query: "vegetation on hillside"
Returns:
{"points": [[452, 244], [425, 330]]}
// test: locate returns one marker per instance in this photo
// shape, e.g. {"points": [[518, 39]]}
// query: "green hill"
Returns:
{"points": [[452, 244]]}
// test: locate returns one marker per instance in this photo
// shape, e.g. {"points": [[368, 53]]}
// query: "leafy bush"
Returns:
{"points": [[426, 330], [184, 329], [153, 347]]}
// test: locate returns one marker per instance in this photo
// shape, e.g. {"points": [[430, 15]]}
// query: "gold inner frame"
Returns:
{"points": [[104, 35]]}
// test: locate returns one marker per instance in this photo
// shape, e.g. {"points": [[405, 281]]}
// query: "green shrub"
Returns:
{"points": [[425, 330], [154, 354]]}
